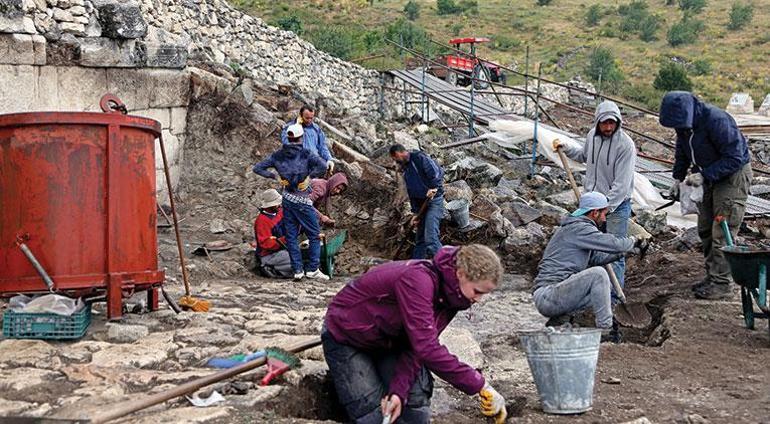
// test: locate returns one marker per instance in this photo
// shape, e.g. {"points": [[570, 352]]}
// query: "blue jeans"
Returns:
{"points": [[361, 379], [296, 215], [428, 240], [590, 287], [617, 224]]}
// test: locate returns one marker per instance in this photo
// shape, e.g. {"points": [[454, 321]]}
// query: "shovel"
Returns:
{"points": [[633, 315]]}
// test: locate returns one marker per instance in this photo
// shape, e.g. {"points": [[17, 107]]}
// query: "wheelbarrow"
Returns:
{"points": [[748, 267]]}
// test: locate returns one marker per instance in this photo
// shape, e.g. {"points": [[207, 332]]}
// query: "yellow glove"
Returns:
{"points": [[284, 183], [304, 184], [493, 404]]}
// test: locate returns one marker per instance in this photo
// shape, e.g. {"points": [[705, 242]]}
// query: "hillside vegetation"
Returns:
{"points": [[721, 46]]}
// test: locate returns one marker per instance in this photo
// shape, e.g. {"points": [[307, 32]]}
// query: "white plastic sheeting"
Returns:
{"points": [[645, 196]]}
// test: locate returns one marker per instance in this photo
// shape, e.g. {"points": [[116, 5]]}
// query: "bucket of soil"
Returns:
{"points": [[563, 364]]}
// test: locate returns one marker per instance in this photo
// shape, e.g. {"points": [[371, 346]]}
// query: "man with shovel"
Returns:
{"points": [[610, 156], [571, 276]]}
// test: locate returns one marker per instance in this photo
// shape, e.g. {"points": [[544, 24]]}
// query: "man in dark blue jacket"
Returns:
{"points": [[424, 183], [295, 166], [710, 145]]}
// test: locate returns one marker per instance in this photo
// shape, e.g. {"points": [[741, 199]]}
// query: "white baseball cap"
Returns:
{"points": [[295, 130], [591, 201]]}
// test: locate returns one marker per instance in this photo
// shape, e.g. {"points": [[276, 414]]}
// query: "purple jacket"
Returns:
{"points": [[406, 305]]}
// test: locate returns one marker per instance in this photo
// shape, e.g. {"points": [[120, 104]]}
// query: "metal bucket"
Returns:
{"points": [[563, 364], [459, 210]]}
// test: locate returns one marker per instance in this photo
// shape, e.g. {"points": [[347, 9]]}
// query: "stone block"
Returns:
{"points": [[62, 15], [178, 120], [405, 139], [170, 88], [764, 109], [11, 16], [93, 29], [133, 86], [39, 48], [12, 99], [84, 87], [477, 173], [162, 49], [122, 333], [47, 88], [64, 52], [73, 28], [173, 145], [122, 20], [16, 49], [162, 115], [101, 52], [741, 103]]}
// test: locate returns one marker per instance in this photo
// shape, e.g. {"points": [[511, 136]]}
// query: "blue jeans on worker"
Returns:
{"points": [[428, 237], [361, 379], [617, 224], [296, 215]]}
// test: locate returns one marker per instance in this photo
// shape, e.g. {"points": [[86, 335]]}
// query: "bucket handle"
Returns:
{"points": [[110, 103]]}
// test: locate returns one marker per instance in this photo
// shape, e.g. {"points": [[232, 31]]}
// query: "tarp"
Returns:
{"points": [[645, 195]]}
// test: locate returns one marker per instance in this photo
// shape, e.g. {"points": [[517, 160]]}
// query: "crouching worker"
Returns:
{"points": [[274, 260], [322, 193], [571, 276], [380, 335]]}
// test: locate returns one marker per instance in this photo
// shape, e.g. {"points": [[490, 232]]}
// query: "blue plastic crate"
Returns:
{"points": [[24, 325]]}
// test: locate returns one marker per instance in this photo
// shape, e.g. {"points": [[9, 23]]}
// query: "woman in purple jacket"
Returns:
{"points": [[380, 335]]}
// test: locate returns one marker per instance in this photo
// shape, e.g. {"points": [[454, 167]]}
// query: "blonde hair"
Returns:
{"points": [[479, 263]]}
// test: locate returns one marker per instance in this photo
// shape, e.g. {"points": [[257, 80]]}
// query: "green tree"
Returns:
{"points": [[411, 35], [672, 76], [593, 15], [693, 6], [602, 64], [290, 23], [633, 14], [740, 15], [447, 7], [335, 40], [648, 28], [700, 67], [684, 32], [412, 10]]}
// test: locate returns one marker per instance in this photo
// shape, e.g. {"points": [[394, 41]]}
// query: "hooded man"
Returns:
{"points": [[295, 166], [711, 147], [571, 276], [610, 156], [323, 191], [313, 138], [381, 335]]}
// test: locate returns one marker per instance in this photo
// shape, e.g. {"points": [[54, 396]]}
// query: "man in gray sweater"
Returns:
{"points": [[610, 156], [571, 276]]}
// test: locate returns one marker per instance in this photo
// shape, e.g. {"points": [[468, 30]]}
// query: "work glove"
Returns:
{"points": [[556, 144], [695, 180], [673, 192], [304, 184], [493, 404], [641, 242], [329, 166], [431, 193]]}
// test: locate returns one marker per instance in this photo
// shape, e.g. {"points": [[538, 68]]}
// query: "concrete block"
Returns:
{"points": [[84, 87], [764, 109], [169, 88], [741, 103], [178, 120], [12, 99], [162, 115], [101, 52], [16, 49], [132, 86], [47, 88], [39, 49]]}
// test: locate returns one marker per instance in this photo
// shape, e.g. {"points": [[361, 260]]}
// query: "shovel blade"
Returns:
{"points": [[633, 315]]}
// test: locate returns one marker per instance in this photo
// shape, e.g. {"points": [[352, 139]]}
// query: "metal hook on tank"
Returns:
{"points": [[110, 103]]}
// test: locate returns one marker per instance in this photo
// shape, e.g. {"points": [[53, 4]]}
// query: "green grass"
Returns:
{"points": [[738, 58]]}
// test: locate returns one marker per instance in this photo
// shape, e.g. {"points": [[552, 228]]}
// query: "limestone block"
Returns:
{"points": [[764, 109], [122, 20], [132, 86], [171, 88], [101, 52], [173, 145], [38, 46], [65, 52], [16, 49], [11, 16], [84, 88], [11, 98], [162, 55], [40, 4], [17, 379], [73, 28], [47, 88], [62, 15], [93, 29], [178, 120], [162, 115], [741, 103], [77, 10]]}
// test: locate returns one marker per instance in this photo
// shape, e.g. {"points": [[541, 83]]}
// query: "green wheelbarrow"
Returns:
{"points": [[748, 267], [330, 246]]}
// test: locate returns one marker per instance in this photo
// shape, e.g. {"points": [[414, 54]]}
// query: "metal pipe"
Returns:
{"points": [[526, 80], [39, 268], [537, 120]]}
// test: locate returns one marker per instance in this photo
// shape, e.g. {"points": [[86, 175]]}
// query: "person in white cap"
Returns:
{"points": [[571, 276], [274, 259], [610, 156], [296, 166]]}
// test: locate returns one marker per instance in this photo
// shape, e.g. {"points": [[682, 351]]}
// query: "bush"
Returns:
{"points": [[593, 15], [543, 2], [290, 23], [455, 28], [338, 41], [700, 67], [694, 6], [684, 32], [449, 7], [411, 35], [740, 15], [633, 13], [412, 10], [502, 42], [672, 76], [649, 28], [470, 7], [601, 64]]}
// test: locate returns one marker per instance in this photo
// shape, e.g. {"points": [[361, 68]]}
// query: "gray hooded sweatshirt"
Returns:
{"points": [[609, 161], [576, 246]]}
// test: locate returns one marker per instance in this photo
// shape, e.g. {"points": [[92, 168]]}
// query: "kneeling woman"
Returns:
{"points": [[381, 332]]}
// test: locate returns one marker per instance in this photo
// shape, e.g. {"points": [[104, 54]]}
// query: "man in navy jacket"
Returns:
{"points": [[424, 180], [711, 147]]}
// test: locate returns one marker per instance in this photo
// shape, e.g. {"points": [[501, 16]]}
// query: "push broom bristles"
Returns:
{"points": [[278, 362], [195, 305]]}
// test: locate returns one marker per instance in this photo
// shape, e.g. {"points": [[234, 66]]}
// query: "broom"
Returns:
{"points": [[187, 301], [278, 362]]}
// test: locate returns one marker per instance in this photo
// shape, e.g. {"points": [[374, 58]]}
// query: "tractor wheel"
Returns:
{"points": [[480, 77], [451, 77], [503, 78]]}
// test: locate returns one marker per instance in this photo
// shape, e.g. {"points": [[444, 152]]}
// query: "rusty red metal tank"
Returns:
{"points": [[78, 189]]}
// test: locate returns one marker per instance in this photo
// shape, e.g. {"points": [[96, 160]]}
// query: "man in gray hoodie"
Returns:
{"points": [[571, 276], [610, 156]]}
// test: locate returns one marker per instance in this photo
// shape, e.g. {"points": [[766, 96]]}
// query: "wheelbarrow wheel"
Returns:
{"points": [[748, 308]]}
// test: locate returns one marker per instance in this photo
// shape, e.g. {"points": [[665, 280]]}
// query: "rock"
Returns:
{"points": [[93, 28], [461, 343], [520, 213], [740, 103], [24, 378], [65, 52], [652, 221], [162, 49], [689, 240], [27, 353], [217, 226], [204, 336], [554, 213], [641, 420], [458, 190], [10, 408], [564, 199], [477, 173], [258, 395], [17, 49], [122, 20], [422, 128], [505, 190], [11, 16], [500, 225], [405, 139], [528, 237], [483, 208], [758, 189], [120, 333], [74, 28], [101, 52], [149, 351]]}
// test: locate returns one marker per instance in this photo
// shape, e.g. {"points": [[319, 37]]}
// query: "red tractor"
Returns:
{"points": [[467, 67]]}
